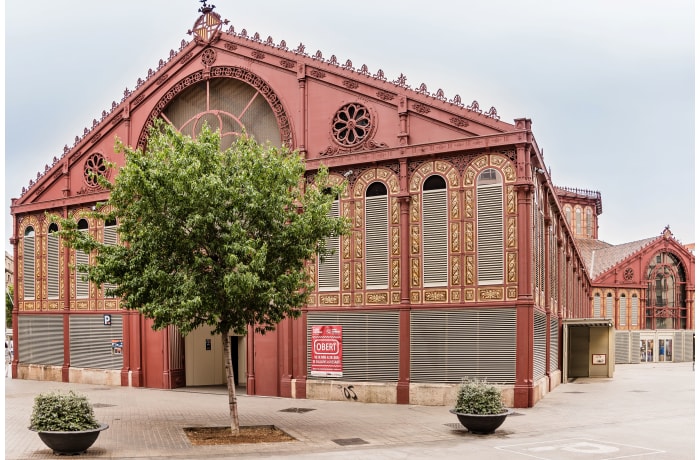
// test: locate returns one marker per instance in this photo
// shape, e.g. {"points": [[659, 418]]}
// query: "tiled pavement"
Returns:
{"points": [[645, 410]]}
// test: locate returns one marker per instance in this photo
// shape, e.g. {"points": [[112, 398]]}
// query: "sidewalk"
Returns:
{"points": [[646, 409]]}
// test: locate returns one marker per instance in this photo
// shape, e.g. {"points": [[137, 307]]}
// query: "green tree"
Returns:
{"points": [[9, 304], [210, 237]]}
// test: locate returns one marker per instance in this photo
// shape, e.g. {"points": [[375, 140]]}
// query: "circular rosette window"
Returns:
{"points": [[352, 125], [95, 167]]}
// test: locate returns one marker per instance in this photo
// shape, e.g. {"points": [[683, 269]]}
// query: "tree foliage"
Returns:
{"points": [[9, 304]]}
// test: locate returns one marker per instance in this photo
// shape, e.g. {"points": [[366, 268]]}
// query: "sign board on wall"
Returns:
{"points": [[326, 351]]}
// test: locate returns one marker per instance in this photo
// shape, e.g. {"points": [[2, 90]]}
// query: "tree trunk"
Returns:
{"points": [[231, 385]]}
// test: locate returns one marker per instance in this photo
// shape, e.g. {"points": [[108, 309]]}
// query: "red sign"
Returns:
{"points": [[326, 351]]}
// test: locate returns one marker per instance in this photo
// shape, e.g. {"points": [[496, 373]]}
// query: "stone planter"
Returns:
{"points": [[482, 424], [70, 442]]}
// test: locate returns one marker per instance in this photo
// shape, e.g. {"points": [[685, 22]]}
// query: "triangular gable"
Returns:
{"points": [[414, 121]]}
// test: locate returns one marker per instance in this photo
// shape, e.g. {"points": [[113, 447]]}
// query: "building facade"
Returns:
{"points": [[460, 262]]}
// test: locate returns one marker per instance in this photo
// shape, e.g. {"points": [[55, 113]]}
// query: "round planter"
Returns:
{"points": [[70, 442], [482, 424]]}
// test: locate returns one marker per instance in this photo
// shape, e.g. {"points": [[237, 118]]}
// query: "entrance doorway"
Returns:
{"points": [[646, 350]]}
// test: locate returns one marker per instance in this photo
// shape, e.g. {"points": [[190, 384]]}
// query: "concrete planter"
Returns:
{"points": [[482, 424], [70, 442]]}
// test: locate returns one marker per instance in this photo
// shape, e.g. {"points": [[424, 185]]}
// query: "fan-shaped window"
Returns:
{"points": [[52, 272], [376, 237], [82, 285], [489, 225], [435, 232], [28, 264], [666, 298], [228, 105]]}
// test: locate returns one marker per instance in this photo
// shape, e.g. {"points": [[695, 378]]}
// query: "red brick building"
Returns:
{"points": [[462, 260]]}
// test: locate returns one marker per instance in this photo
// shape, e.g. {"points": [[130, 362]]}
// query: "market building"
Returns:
{"points": [[464, 258]]}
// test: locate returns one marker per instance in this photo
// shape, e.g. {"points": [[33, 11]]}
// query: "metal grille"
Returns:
{"points": [[41, 339], [553, 344], [490, 234], [370, 344], [447, 345], [52, 266], [539, 345], [28, 268], [622, 347], [91, 342], [329, 262], [435, 237], [377, 242]]}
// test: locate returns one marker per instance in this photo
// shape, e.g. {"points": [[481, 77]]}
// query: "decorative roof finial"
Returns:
{"points": [[206, 8]]}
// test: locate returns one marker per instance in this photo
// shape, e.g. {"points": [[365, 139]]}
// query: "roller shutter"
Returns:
{"points": [[91, 342], [41, 339]]}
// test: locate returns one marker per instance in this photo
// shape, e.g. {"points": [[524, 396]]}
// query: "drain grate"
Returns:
{"points": [[298, 410], [350, 441], [102, 405], [455, 426]]}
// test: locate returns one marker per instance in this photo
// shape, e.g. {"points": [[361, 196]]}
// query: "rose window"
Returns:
{"points": [[95, 167], [352, 124]]}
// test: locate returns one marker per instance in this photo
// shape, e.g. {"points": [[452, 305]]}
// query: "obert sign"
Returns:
{"points": [[326, 351]]}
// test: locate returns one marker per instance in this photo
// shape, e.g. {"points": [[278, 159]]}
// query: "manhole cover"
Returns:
{"points": [[299, 410], [102, 405], [349, 441]]}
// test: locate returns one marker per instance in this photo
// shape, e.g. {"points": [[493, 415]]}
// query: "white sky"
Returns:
{"points": [[609, 85]]}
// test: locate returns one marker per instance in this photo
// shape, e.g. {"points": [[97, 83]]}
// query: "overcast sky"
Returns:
{"points": [[608, 84]]}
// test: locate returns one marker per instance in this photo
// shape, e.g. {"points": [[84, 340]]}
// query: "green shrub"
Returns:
{"points": [[62, 412], [478, 397]]}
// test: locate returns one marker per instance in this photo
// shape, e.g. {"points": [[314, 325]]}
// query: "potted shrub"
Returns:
{"points": [[479, 407], [65, 422]]}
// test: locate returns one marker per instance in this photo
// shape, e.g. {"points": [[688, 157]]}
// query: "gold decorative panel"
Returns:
{"points": [[454, 234], [455, 271], [345, 241], [111, 304], [81, 305], [312, 299], [358, 276], [491, 294], [469, 203], [510, 199], [415, 296], [469, 270], [469, 236], [426, 169], [511, 237], [415, 239], [346, 275], [393, 184], [469, 294], [54, 306], [394, 210], [378, 298], [415, 208], [359, 299], [329, 299], [454, 205], [481, 162], [395, 273], [395, 297], [435, 295], [358, 244], [395, 246], [512, 267], [497, 160], [512, 293], [358, 214], [452, 178], [509, 172], [455, 295], [415, 272], [469, 176], [347, 299], [382, 173]]}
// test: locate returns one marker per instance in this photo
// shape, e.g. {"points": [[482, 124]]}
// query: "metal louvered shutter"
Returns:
{"points": [[28, 269], [329, 262], [635, 310], [623, 311], [553, 344], [370, 344], [539, 345], [109, 237], [91, 342], [688, 337], [447, 345], [41, 339], [596, 306], [435, 238], [377, 242], [609, 310], [489, 238], [52, 278], [82, 285], [635, 340], [622, 347]]}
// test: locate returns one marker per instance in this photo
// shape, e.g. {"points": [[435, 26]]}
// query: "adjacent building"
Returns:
{"points": [[464, 258]]}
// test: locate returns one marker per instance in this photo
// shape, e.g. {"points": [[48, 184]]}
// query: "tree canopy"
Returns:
{"points": [[208, 236]]}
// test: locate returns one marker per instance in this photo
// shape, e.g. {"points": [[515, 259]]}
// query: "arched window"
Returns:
{"points": [[109, 236], [489, 226], [82, 285], [577, 212], [635, 310], [589, 223], [329, 261], [434, 232], [29, 264], [567, 214], [609, 310], [666, 305], [376, 237], [596, 305], [623, 310], [52, 271]]}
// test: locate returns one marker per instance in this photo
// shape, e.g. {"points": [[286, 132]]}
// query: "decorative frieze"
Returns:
{"points": [[378, 298], [486, 294], [435, 295]]}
